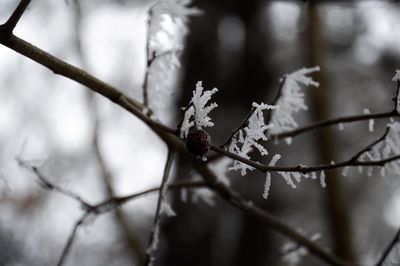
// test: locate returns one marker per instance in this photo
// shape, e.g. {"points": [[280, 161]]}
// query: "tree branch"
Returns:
{"points": [[10, 24], [153, 239], [67, 248]]}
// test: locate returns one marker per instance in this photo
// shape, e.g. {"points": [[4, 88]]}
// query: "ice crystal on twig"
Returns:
{"points": [[267, 185], [197, 113], [293, 253], [247, 139], [389, 146], [166, 28]]}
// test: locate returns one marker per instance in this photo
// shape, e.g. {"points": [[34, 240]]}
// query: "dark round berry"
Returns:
{"points": [[198, 142]]}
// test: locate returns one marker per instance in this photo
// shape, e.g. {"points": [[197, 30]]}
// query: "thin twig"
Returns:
{"points": [[67, 248], [12, 22], [388, 249], [240, 127], [334, 121], [246, 119], [46, 184], [301, 168], [149, 58], [276, 99], [132, 241], [370, 146], [153, 239]]}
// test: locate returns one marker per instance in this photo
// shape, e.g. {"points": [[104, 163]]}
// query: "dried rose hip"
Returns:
{"points": [[198, 142]]}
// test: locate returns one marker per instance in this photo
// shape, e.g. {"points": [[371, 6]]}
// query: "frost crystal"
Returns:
{"points": [[248, 138], [291, 100], [385, 149], [396, 77], [197, 114], [167, 209], [370, 122], [267, 184], [293, 253], [322, 179]]}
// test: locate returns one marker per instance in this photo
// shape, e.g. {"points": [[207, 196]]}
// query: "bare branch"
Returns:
{"points": [[46, 184], [15, 17], [153, 239], [67, 248]]}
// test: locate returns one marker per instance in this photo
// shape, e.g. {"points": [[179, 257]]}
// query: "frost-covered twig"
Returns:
{"points": [[370, 146], [302, 168], [249, 137], [291, 99], [238, 128], [178, 12], [155, 231]]}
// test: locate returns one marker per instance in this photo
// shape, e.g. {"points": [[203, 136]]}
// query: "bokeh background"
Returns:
{"points": [[90, 146]]}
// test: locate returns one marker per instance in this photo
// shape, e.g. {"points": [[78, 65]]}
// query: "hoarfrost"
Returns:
{"points": [[292, 99]]}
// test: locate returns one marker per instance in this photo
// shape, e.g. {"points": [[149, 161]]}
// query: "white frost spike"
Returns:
{"points": [[322, 179], [267, 186], [371, 125], [197, 114], [345, 171], [288, 179], [396, 77], [292, 99], [313, 175], [275, 159], [167, 209], [369, 171], [187, 123], [288, 140], [341, 126], [370, 122], [204, 195]]}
